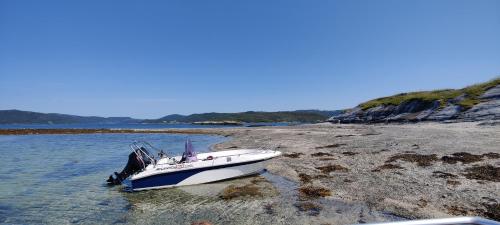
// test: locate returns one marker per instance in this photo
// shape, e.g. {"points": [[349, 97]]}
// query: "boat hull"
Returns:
{"points": [[198, 175]]}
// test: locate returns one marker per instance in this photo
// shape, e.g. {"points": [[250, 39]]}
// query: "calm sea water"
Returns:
{"points": [[60, 179], [129, 126]]}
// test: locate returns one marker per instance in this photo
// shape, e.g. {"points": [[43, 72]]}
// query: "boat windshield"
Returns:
{"points": [[146, 149]]}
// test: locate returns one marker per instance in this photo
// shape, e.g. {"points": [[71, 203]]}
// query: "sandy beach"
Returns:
{"points": [[424, 170]]}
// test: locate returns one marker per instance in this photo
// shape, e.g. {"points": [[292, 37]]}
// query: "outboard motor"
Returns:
{"points": [[137, 161]]}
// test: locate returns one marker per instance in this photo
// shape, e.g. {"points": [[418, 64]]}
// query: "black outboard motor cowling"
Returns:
{"points": [[137, 161]]}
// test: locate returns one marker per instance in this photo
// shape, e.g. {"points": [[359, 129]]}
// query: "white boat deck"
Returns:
{"points": [[210, 159]]}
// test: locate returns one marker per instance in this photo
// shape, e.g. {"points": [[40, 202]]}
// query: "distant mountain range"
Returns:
{"points": [[251, 117], [27, 117]]}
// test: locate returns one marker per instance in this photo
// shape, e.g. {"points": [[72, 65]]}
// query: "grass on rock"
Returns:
{"points": [[471, 96]]}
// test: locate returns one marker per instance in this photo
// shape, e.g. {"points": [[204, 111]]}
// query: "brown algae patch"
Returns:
{"points": [[305, 178], [487, 172], [321, 154], [332, 168], [467, 158], [492, 155], [387, 166], [421, 160], [233, 191], [330, 146], [462, 157], [350, 153], [293, 155], [310, 192], [439, 174]]}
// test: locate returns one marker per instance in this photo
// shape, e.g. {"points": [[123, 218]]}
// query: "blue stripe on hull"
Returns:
{"points": [[174, 178]]}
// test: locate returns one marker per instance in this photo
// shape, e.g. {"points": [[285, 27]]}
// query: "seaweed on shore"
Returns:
{"points": [[345, 135], [293, 155], [321, 154], [439, 174], [421, 160], [233, 191], [331, 146], [492, 155], [387, 166], [305, 178], [462, 157], [487, 172], [331, 168], [350, 153], [467, 158], [311, 192]]}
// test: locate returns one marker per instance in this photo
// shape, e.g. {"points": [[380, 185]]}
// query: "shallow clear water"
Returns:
{"points": [[107, 126], [130, 126], [61, 178]]}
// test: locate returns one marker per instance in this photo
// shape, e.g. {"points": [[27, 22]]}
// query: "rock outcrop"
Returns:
{"points": [[484, 107]]}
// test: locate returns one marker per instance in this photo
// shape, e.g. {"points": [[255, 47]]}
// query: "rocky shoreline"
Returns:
{"points": [[423, 170], [425, 106]]}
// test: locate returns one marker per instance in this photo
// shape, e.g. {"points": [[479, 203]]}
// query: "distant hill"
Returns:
{"points": [[250, 117], [472, 103], [27, 117]]}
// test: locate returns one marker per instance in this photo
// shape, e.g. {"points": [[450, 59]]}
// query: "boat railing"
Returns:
{"points": [[234, 155], [140, 148]]}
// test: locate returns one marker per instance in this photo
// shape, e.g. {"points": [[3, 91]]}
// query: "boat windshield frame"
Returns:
{"points": [[138, 146]]}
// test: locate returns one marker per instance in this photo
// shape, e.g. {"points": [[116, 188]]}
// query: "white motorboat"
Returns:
{"points": [[147, 171]]}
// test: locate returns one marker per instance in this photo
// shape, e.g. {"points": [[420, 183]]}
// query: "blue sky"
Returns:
{"points": [[147, 59]]}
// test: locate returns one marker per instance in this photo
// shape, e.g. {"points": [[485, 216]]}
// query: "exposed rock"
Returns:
{"points": [[486, 107], [489, 110], [449, 112], [492, 93]]}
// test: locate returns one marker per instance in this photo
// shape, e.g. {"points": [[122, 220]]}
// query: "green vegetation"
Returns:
{"points": [[250, 117], [471, 96], [27, 117]]}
